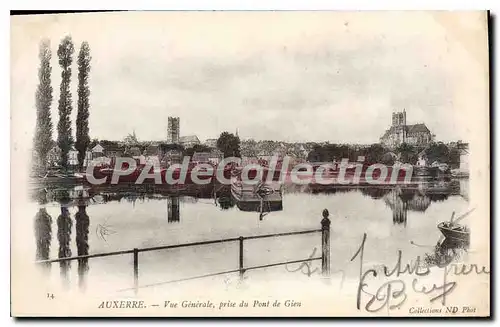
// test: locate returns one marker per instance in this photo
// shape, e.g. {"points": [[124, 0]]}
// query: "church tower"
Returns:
{"points": [[173, 130], [399, 118], [399, 126]]}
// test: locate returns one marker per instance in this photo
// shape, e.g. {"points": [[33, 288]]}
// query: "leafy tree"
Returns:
{"points": [[408, 153], [340, 151], [43, 100], [454, 158], [229, 145], [249, 148], [131, 139], [374, 153], [330, 152], [109, 144], [93, 143], [437, 152], [64, 137], [388, 159], [82, 118], [144, 145], [315, 155]]}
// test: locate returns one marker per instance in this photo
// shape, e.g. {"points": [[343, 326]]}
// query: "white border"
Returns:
{"points": [[493, 5]]}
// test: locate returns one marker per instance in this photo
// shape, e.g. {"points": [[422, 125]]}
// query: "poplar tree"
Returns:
{"points": [[82, 119], [43, 100], [64, 137]]}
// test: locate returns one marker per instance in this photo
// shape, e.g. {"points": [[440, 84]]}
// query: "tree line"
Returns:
{"points": [[376, 153], [43, 141]]}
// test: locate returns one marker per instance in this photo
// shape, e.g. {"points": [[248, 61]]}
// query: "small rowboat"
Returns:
{"points": [[454, 231]]}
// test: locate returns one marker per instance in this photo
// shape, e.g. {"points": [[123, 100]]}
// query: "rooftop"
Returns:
{"points": [[410, 129], [189, 138]]}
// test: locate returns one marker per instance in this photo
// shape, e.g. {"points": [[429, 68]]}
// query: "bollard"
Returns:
{"points": [[136, 270], [325, 244], [241, 257]]}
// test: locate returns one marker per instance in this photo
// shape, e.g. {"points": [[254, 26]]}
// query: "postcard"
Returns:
{"points": [[250, 164]]}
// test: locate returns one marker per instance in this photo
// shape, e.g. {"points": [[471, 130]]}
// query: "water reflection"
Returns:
{"points": [[173, 209], [374, 192], [397, 200], [82, 243], [381, 210], [43, 235], [64, 225], [224, 199], [445, 252], [400, 199]]}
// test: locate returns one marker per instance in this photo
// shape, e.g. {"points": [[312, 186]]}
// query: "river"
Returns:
{"points": [[393, 218]]}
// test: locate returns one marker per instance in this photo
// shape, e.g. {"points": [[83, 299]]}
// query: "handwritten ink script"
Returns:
{"points": [[394, 291], [103, 231], [306, 268]]}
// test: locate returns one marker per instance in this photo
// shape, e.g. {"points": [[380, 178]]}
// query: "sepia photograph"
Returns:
{"points": [[250, 164]]}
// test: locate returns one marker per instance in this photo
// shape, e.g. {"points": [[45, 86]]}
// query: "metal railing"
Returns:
{"points": [[325, 254]]}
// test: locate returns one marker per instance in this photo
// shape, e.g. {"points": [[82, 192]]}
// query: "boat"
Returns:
{"points": [[422, 171], [56, 177], [457, 173], [261, 197], [454, 231], [358, 176], [106, 172]]}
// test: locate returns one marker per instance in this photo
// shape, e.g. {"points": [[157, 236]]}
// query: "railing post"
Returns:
{"points": [[136, 270], [241, 258], [325, 244]]}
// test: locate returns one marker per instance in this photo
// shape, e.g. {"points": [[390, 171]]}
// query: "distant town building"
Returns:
{"points": [[200, 157], [113, 150], [212, 157], [153, 153], [54, 157], [422, 159], [215, 156], [97, 151], [152, 150], [88, 158], [73, 157], [464, 157], [249, 160], [211, 143], [189, 141], [171, 157], [400, 132], [173, 130]]}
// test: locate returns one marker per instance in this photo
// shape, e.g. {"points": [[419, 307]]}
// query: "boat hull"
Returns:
{"points": [[247, 199], [454, 234]]}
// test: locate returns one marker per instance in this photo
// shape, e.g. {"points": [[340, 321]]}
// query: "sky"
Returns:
{"points": [[289, 76]]}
